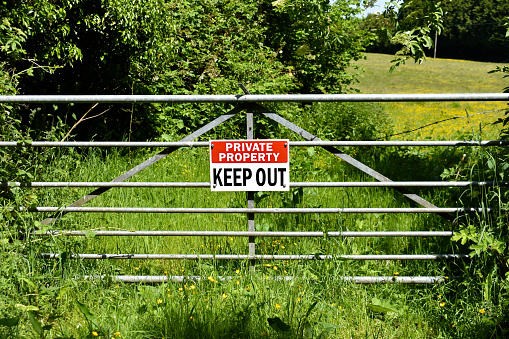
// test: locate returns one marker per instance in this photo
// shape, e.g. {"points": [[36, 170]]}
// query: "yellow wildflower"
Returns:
{"points": [[482, 310], [278, 306], [95, 334]]}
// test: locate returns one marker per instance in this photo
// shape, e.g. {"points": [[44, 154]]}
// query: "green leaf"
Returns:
{"points": [[27, 308], [327, 329], [381, 305], [9, 322], [311, 151], [84, 309], [35, 323], [278, 325], [308, 330]]}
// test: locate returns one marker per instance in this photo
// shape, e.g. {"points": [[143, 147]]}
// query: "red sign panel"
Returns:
{"points": [[249, 165], [249, 152]]}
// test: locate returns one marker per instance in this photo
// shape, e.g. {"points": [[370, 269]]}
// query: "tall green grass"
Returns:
{"points": [[317, 301]]}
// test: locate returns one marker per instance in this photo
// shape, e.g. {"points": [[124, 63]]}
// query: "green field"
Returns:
{"points": [[436, 76], [52, 299]]}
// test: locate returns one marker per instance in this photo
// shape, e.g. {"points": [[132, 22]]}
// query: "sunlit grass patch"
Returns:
{"points": [[436, 76]]}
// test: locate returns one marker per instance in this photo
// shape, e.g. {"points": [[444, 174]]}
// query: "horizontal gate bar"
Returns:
{"points": [[292, 184], [206, 143], [259, 256], [355, 279], [250, 234], [248, 210], [254, 98]]}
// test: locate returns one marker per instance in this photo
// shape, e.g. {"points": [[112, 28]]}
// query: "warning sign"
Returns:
{"points": [[249, 165]]}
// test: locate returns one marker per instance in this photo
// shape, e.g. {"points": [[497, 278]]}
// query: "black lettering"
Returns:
{"points": [[247, 174], [216, 176], [282, 175], [272, 183], [260, 177], [236, 177], [227, 176]]}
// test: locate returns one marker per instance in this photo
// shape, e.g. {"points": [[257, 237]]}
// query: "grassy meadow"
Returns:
{"points": [[436, 76], [52, 299]]}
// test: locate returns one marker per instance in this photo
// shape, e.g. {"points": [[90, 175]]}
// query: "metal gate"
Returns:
{"points": [[250, 104]]}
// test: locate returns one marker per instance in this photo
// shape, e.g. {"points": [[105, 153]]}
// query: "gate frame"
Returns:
{"points": [[250, 103]]}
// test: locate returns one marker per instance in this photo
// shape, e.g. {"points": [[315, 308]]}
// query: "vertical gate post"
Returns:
{"points": [[250, 199]]}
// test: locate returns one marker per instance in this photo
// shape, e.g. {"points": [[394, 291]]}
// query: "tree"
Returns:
{"points": [[471, 29], [174, 47], [474, 29]]}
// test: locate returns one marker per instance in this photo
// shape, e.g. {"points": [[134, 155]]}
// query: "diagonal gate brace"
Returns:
{"points": [[352, 161], [216, 122]]}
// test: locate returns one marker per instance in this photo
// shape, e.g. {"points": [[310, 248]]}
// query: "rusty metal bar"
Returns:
{"points": [[250, 234], [259, 256], [436, 210], [356, 279], [206, 143], [292, 184], [254, 98]]}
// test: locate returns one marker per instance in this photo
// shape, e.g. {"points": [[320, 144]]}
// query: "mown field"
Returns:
{"points": [[52, 299]]}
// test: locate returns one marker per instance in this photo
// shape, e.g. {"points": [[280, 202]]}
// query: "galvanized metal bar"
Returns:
{"points": [[151, 160], [292, 184], [392, 143], [104, 144], [156, 279], [436, 210], [259, 256], [450, 143], [100, 233], [250, 197], [354, 162], [254, 98]]}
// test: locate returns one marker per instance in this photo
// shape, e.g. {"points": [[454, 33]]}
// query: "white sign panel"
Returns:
{"points": [[249, 165]]}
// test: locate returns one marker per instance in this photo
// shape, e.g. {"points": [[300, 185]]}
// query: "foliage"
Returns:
{"points": [[173, 47], [474, 30], [470, 29], [317, 41], [414, 21]]}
